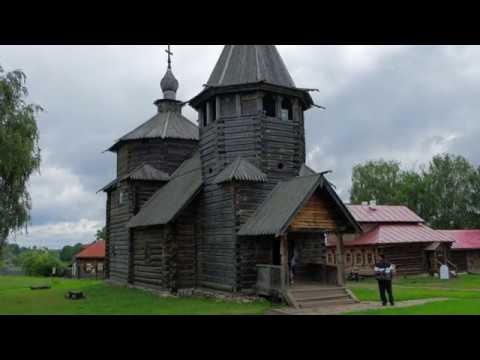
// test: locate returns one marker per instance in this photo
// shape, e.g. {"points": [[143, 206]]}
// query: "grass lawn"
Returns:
{"points": [[463, 294], [16, 298]]}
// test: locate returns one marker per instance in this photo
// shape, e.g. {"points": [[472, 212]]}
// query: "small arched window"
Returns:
{"points": [[287, 111]]}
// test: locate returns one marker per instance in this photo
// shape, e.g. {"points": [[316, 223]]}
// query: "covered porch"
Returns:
{"points": [[293, 223]]}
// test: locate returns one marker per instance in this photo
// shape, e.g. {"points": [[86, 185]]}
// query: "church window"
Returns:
{"points": [[122, 197], [269, 105], [287, 111], [280, 166]]}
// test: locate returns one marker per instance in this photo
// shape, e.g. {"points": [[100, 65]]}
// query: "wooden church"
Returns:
{"points": [[223, 205]]}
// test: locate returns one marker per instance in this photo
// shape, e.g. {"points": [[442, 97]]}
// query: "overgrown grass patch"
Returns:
{"points": [[16, 298]]}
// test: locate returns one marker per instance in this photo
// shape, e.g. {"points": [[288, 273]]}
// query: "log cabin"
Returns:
{"points": [[224, 204], [400, 234], [465, 251], [89, 263]]}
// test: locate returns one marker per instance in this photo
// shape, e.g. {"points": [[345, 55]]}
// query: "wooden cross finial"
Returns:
{"points": [[169, 59]]}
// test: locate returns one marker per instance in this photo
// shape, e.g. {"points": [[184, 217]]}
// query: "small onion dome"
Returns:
{"points": [[169, 85]]}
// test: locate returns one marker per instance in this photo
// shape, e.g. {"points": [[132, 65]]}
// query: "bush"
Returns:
{"points": [[41, 263]]}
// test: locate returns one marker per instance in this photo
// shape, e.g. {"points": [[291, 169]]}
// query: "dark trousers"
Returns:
{"points": [[385, 286]]}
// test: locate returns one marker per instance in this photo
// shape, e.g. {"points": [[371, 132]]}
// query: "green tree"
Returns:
{"points": [[101, 234], [19, 152], [68, 252], [445, 193], [41, 263], [377, 180], [452, 185]]}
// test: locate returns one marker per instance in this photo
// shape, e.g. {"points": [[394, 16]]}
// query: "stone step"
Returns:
{"points": [[319, 304], [315, 288], [321, 297], [300, 294]]}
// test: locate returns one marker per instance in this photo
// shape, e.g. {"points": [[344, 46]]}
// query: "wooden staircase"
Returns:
{"points": [[312, 296]]}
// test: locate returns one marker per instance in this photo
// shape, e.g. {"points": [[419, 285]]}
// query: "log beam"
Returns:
{"points": [[284, 260], [340, 260]]}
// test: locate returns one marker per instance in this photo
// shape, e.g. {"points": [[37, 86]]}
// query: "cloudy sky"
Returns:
{"points": [[393, 102]]}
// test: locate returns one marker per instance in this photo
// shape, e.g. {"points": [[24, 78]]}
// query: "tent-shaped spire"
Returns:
{"points": [[243, 64]]}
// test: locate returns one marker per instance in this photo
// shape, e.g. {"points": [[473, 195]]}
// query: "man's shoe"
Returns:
{"points": [[384, 304]]}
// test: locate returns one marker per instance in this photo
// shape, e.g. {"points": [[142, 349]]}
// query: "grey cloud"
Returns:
{"points": [[395, 103]]}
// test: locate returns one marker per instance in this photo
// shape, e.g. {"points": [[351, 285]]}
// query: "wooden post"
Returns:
{"points": [[284, 260], [217, 107], [340, 260]]}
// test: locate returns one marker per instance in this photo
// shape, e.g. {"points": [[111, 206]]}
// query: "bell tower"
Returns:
{"points": [[252, 136]]}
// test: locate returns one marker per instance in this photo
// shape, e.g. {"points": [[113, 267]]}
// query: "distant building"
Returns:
{"points": [[397, 232], [90, 261], [466, 249]]}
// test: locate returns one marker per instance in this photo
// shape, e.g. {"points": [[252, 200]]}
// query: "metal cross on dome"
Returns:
{"points": [[169, 59]]}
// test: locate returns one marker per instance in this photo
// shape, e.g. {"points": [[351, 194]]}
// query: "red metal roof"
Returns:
{"points": [[398, 234], [94, 250], [464, 239], [384, 213]]}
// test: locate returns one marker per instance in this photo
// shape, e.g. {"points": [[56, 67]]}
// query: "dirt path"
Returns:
{"points": [[365, 305]]}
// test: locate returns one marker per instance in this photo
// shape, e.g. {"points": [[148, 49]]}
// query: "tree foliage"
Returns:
{"points": [[446, 192], [101, 234], [68, 252], [40, 263], [19, 152]]}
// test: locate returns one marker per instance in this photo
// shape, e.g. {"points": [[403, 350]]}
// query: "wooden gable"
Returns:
{"points": [[319, 213]]}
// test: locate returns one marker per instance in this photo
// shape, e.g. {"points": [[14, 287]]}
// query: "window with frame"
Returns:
{"points": [[330, 258], [358, 258], [370, 258], [269, 105], [287, 110], [122, 197], [348, 258]]}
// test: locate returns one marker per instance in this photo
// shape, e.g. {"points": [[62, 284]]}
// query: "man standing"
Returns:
{"points": [[383, 274]]}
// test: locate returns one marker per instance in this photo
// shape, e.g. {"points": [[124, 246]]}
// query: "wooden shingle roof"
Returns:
{"points": [[240, 170], [164, 125], [243, 64], [143, 172], [173, 197]]}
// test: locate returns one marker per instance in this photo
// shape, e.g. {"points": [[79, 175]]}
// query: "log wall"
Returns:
{"points": [[165, 155], [275, 146], [318, 213]]}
